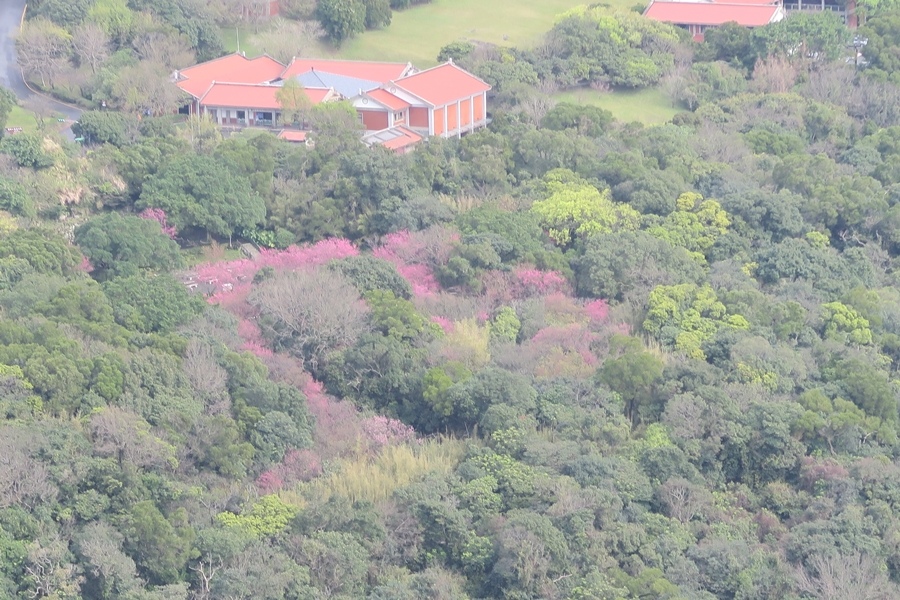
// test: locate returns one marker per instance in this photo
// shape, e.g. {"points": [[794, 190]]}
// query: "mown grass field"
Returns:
{"points": [[649, 106], [19, 117], [418, 34]]}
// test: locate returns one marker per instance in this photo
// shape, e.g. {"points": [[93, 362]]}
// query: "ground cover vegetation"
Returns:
{"points": [[564, 357]]}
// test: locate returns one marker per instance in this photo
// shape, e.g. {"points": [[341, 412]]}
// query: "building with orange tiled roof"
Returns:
{"points": [[251, 105], [444, 101], [397, 104], [699, 15], [232, 68]]}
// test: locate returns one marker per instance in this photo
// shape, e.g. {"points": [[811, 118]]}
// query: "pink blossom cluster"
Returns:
{"points": [[159, 215], [252, 338], [380, 431], [296, 466], [573, 338], [85, 265], [444, 323], [597, 311], [235, 272], [502, 287], [534, 282], [338, 423], [415, 254]]}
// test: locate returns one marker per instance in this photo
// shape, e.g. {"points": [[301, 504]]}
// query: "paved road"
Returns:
{"points": [[10, 74]]}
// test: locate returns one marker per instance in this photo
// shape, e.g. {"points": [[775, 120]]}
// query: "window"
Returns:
{"points": [[398, 116], [241, 114]]}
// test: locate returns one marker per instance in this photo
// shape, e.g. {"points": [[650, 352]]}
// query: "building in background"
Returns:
{"points": [[397, 104]]}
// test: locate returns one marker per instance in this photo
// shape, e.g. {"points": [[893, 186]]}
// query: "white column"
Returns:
{"points": [[430, 121]]}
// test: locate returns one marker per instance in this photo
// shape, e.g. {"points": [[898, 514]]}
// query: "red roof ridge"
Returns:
{"points": [[474, 76], [396, 84]]}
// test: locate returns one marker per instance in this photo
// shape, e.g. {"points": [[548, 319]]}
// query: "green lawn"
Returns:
{"points": [[231, 36], [417, 34], [19, 117], [649, 106]]}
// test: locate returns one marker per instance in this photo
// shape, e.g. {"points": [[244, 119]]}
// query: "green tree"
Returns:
{"points": [[341, 19], [587, 120], [631, 263], [378, 13], [41, 250], [695, 225], [293, 101], [28, 150], [883, 34], [125, 245], [844, 322], [152, 303], [106, 127], [200, 191], [14, 198], [635, 375], [7, 102], [368, 273], [685, 316], [161, 547], [574, 208]]}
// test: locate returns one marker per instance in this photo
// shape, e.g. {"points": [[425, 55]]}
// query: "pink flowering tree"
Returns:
{"points": [[415, 256], [380, 431], [159, 215]]}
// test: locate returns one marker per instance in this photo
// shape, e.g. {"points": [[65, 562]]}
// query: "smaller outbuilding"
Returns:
{"points": [[697, 17]]}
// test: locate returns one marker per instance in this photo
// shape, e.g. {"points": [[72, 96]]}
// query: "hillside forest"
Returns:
{"points": [[565, 357]]}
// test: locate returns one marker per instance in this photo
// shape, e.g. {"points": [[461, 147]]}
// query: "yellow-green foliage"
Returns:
{"points": [[8, 223], [686, 315], [364, 478], [574, 208], [750, 374], [468, 343], [842, 322], [268, 516], [695, 225], [817, 239], [505, 325]]}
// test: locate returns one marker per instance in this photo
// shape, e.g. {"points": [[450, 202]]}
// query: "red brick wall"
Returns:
{"points": [[374, 120], [418, 117], [479, 107], [438, 121], [452, 123], [465, 112]]}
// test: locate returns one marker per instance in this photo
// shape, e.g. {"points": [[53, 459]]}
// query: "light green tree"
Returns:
{"points": [[574, 208], [687, 315], [695, 225], [842, 322], [268, 516]]}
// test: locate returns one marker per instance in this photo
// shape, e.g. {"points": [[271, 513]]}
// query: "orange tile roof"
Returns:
{"points": [[245, 95], [712, 13], [372, 71], [388, 99], [748, 2], [443, 84], [234, 68], [293, 135], [404, 140]]}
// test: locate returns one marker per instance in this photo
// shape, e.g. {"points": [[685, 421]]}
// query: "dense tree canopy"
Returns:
{"points": [[564, 357]]}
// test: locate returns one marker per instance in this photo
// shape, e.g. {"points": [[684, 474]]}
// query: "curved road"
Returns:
{"points": [[10, 74]]}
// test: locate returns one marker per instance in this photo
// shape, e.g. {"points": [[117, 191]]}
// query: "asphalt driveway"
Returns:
{"points": [[10, 74]]}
